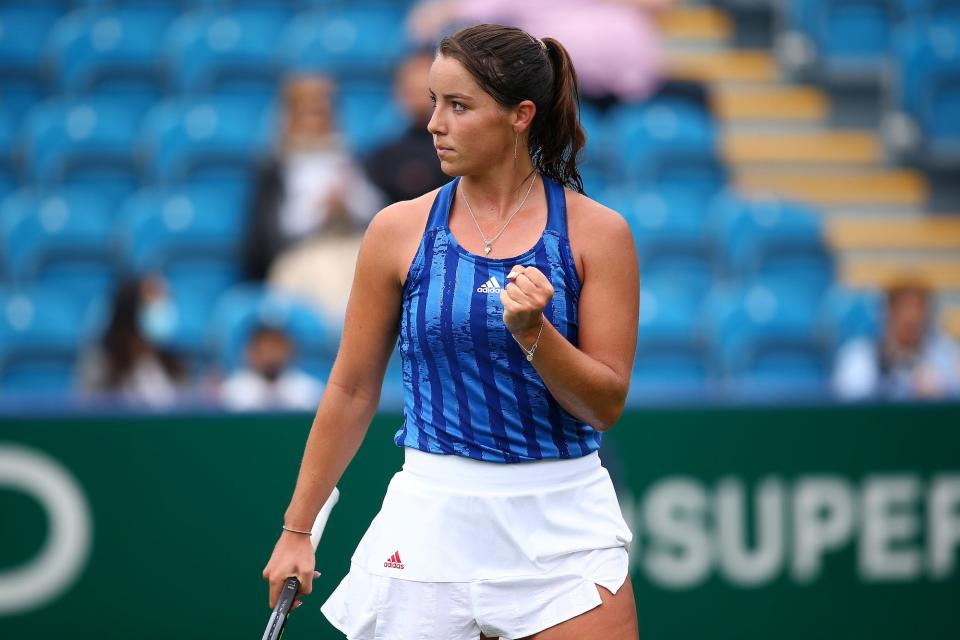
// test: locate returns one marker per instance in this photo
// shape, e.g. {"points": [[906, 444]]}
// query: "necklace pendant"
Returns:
{"points": [[529, 357], [486, 248]]}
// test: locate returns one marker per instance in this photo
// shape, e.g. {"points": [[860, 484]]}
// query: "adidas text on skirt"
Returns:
{"points": [[462, 547]]}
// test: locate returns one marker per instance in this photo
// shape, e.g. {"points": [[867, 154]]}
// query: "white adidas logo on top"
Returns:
{"points": [[490, 286]]}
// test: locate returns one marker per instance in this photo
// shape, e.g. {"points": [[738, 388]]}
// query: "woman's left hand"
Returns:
{"points": [[527, 294]]}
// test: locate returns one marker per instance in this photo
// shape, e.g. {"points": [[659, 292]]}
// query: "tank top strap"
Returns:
{"points": [[440, 211], [556, 207]]}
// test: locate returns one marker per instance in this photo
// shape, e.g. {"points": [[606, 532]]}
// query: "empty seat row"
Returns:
{"points": [[768, 334], [693, 243], [144, 52]]}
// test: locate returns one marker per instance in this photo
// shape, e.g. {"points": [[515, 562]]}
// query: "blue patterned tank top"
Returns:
{"points": [[468, 389]]}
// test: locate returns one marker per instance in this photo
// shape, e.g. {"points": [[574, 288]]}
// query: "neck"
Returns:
{"points": [[495, 194]]}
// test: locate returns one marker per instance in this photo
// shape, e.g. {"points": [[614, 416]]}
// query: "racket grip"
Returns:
{"points": [[288, 594]]}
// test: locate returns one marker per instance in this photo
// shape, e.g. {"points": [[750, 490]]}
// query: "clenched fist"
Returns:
{"points": [[527, 294]]}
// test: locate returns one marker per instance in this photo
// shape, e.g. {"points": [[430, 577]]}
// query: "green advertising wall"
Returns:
{"points": [[787, 522]]}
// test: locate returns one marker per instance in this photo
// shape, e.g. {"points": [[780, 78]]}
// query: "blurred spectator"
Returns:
{"points": [[311, 185], [913, 359], [132, 360], [269, 380], [614, 43], [408, 167]]}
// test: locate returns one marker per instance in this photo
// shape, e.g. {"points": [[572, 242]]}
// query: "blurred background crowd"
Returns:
{"points": [[184, 186]]}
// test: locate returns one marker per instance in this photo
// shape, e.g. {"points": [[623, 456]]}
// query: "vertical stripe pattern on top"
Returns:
{"points": [[468, 389]]}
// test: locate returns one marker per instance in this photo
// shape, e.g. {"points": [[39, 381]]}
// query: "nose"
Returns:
{"points": [[435, 124]]}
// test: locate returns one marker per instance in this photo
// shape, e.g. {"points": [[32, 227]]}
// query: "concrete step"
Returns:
{"points": [[950, 321], [876, 273], [769, 103], [924, 234], [725, 65], [862, 187], [695, 22], [808, 148]]}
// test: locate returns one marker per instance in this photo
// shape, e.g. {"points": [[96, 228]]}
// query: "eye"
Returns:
{"points": [[458, 106]]}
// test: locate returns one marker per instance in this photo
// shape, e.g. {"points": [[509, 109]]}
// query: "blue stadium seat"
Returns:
{"points": [[766, 337], [245, 306], [110, 51], [670, 349], [596, 181], [758, 238], [847, 314], [664, 143], [930, 13], [668, 230], [23, 32], [40, 333], [190, 235], [9, 170], [347, 41], [926, 92], [61, 238], [212, 140], [367, 114], [84, 142], [843, 40], [593, 123], [231, 51]]}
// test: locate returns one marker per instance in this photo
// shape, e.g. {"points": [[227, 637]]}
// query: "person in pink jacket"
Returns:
{"points": [[613, 43]]}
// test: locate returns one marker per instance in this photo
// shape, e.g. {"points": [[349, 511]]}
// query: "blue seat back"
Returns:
{"points": [[84, 142], [354, 41], [110, 51], [758, 238], [230, 51], [62, 238], [212, 140]]}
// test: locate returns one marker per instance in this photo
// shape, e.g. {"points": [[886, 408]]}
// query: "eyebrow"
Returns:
{"points": [[453, 96]]}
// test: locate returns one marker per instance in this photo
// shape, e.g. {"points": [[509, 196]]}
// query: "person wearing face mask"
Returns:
{"points": [[311, 185], [134, 362], [911, 360], [270, 381]]}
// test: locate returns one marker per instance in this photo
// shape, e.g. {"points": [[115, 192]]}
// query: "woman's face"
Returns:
{"points": [[471, 131]]}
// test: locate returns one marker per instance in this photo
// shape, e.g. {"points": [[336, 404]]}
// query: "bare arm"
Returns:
{"points": [[591, 382], [349, 401]]}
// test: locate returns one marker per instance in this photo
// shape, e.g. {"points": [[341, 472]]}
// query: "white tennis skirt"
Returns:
{"points": [[503, 549]]}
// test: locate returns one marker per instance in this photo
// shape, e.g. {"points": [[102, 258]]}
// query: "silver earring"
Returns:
{"points": [[516, 141]]}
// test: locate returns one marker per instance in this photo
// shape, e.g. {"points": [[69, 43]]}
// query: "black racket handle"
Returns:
{"points": [[278, 619]]}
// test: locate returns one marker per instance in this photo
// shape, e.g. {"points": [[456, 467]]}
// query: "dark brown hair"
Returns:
{"points": [[512, 66], [906, 284]]}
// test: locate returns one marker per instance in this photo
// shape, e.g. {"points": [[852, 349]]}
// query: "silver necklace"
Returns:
{"points": [[488, 244]]}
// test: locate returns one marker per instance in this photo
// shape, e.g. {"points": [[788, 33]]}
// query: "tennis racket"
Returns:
{"points": [[278, 619]]}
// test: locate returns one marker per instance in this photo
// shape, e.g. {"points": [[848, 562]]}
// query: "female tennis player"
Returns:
{"points": [[515, 300]]}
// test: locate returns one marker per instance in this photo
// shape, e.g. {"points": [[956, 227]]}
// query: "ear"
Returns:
{"points": [[523, 115]]}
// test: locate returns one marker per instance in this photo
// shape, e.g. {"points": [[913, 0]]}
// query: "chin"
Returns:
{"points": [[451, 169]]}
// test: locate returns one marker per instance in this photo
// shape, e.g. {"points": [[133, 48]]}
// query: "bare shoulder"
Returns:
{"points": [[394, 233], [596, 230]]}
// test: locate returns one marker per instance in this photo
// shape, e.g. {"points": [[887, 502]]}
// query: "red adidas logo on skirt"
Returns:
{"points": [[394, 561]]}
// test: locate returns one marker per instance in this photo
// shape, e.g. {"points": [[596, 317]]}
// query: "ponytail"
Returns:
{"points": [[556, 137]]}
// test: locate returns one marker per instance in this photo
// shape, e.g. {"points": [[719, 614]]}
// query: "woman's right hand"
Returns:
{"points": [[293, 555]]}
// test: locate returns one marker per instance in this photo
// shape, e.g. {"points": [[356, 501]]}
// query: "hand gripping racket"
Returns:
{"points": [[278, 619]]}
